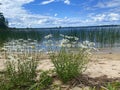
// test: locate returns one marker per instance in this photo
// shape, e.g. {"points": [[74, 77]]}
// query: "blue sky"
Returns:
{"points": [[65, 13]]}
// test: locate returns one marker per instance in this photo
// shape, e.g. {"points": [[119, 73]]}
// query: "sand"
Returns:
{"points": [[103, 67], [101, 64]]}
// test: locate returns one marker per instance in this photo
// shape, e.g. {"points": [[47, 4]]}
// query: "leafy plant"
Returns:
{"points": [[44, 81], [69, 65], [21, 73], [71, 56]]}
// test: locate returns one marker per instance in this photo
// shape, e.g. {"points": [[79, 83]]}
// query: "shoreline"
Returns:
{"points": [[103, 67]]}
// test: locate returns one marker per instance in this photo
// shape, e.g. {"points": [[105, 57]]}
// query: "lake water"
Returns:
{"points": [[104, 37]]}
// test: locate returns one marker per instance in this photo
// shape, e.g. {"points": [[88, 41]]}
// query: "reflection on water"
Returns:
{"points": [[102, 36]]}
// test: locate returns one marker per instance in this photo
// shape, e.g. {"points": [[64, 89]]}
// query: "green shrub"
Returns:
{"points": [[69, 56], [44, 81], [5, 85], [21, 73], [69, 65]]}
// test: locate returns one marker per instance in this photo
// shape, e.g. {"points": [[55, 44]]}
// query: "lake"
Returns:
{"points": [[102, 36]]}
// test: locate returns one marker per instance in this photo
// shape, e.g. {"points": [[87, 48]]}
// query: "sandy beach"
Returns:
{"points": [[103, 67], [101, 63]]}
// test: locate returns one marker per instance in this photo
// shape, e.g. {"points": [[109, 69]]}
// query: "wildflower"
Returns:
{"points": [[76, 38], [82, 46], [20, 39], [49, 52], [69, 45], [25, 41], [35, 41], [29, 39], [33, 47], [40, 50], [29, 46], [50, 41], [62, 35], [73, 42], [73, 45], [10, 57], [48, 36], [30, 58], [67, 37], [3, 49], [64, 41], [91, 44], [6, 46], [86, 43]]}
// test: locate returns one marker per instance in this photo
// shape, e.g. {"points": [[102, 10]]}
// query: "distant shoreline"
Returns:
{"points": [[60, 27], [66, 27]]}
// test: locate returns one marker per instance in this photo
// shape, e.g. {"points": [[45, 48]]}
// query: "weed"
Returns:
{"points": [[68, 65], [113, 86], [21, 73], [44, 81]]}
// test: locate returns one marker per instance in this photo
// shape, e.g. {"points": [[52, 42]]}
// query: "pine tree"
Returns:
{"points": [[3, 21]]}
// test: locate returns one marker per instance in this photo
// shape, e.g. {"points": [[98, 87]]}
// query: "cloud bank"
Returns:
{"points": [[18, 16]]}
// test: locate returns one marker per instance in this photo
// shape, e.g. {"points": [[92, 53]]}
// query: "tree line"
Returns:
{"points": [[3, 21]]}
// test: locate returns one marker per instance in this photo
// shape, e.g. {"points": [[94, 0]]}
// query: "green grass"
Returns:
{"points": [[43, 83], [113, 86]]}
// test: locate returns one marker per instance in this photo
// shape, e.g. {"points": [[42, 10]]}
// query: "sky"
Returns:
{"points": [[65, 13]]}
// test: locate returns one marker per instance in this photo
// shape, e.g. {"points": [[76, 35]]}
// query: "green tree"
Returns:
{"points": [[3, 21]]}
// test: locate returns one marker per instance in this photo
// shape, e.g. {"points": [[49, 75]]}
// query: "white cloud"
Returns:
{"points": [[18, 16], [47, 2], [114, 16], [105, 17], [99, 17], [108, 4], [55, 14], [65, 17], [50, 1], [67, 2]]}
